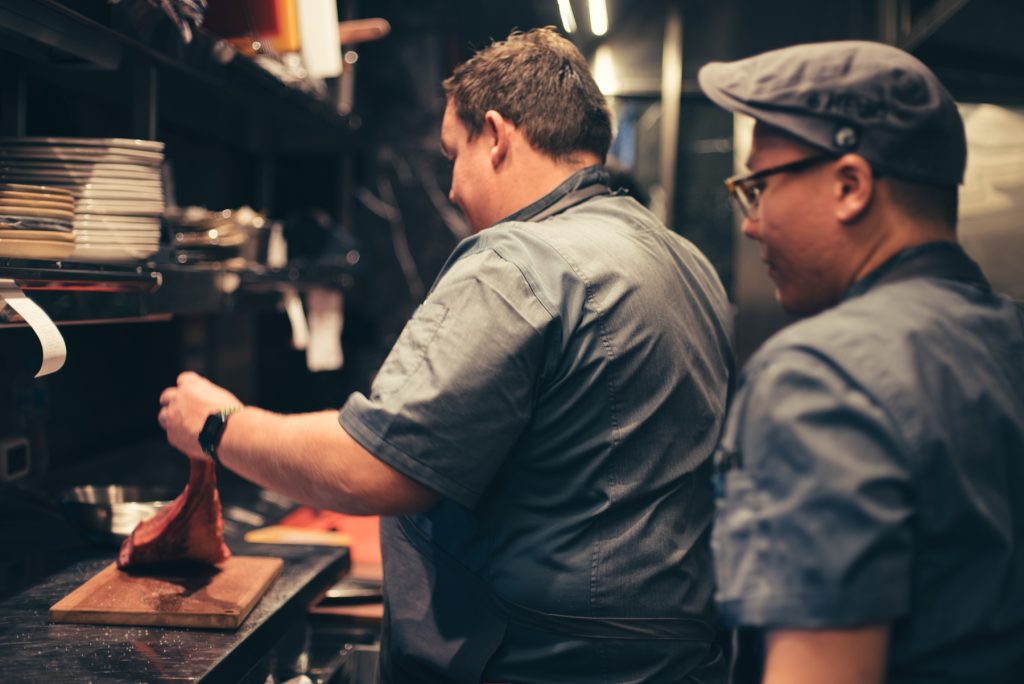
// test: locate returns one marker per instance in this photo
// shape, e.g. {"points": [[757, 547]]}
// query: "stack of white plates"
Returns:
{"points": [[36, 221], [115, 182]]}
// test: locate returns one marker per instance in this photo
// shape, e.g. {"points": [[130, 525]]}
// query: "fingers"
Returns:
{"points": [[188, 376], [167, 395]]}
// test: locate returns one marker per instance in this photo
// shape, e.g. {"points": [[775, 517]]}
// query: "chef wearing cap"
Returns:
{"points": [[870, 520]]}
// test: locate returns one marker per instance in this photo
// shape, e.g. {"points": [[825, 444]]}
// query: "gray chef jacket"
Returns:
{"points": [[873, 471], [563, 387]]}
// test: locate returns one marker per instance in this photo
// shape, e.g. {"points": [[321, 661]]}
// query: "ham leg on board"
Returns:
{"points": [[190, 528]]}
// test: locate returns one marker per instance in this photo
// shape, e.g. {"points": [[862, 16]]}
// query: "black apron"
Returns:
{"points": [[482, 617]]}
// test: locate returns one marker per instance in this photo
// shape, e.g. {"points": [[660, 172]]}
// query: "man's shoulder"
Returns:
{"points": [[827, 333], [516, 245], [882, 339], [886, 315]]}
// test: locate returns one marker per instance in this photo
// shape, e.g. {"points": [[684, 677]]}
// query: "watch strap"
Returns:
{"points": [[213, 431]]}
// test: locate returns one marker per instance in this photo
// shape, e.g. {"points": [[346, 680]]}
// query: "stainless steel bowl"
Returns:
{"points": [[107, 514]]}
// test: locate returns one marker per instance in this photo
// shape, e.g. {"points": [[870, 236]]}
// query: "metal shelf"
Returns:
{"points": [[73, 293], [79, 34], [138, 50], [31, 274]]}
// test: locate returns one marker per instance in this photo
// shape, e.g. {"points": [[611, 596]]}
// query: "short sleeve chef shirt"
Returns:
{"points": [[562, 386], [873, 471]]}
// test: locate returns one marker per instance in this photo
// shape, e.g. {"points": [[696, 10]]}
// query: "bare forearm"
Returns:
{"points": [[849, 656], [310, 458]]}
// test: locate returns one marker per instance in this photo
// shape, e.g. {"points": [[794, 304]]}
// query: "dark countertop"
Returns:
{"points": [[42, 560], [31, 645]]}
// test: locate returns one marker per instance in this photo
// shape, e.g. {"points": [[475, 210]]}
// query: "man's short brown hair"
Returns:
{"points": [[540, 82]]}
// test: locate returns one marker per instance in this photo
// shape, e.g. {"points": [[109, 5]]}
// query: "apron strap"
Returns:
{"points": [[673, 629]]}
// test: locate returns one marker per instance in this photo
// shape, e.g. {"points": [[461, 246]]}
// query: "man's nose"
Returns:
{"points": [[751, 228]]}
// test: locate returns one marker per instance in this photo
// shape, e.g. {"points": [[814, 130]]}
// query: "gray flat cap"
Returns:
{"points": [[850, 96]]}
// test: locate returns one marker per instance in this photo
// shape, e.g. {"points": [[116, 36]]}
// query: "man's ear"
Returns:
{"points": [[854, 187], [498, 131]]}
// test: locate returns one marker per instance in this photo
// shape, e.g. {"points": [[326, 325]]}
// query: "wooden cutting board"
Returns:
{"points": [[217, 597]]}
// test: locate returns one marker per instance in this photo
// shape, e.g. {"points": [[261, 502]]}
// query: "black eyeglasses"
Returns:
{"points": [[746, 189]]}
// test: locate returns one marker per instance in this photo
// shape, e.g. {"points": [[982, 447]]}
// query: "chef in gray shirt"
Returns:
{"points": [[871, 518], [541, 434]]}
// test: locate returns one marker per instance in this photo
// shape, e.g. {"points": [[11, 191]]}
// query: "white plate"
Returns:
{"points": [[50, 235], [12, 157], [128, 228], [63, 178], [132, 184], [76, 166], [103, 219], [138, 185], [120, 192], [17, 213], [116, 208], [37, 199], [8, 165], [120, 230], [102, 194], [82, 204], [129, 143], [152, 236], [127, 213], [8, 206], [34, 189], [88, 154], [36, 249], [93, 254], [83, 174], [120, 242], [125, 243]]}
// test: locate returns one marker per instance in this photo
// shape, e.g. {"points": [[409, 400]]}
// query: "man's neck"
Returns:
{"points": [[537, 174], [890, 242]]}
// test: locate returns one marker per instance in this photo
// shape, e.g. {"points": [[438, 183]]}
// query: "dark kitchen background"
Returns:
{"points": [[349, 170]]}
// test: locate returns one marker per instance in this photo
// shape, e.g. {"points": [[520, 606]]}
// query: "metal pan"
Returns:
{"points": [[107, 514]]}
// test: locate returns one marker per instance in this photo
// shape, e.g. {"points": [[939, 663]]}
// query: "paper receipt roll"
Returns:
{"points": [[54, 349]]}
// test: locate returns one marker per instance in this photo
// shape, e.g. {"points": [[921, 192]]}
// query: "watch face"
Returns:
{"points": [[209, 436]]}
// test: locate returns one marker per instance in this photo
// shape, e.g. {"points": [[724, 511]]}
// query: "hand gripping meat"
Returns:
{"points": [[189, 529]]}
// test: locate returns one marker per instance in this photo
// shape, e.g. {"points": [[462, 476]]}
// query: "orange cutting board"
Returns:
{"points": [[218, 597]]}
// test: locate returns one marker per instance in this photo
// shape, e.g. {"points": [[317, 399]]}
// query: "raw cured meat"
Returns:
{"points": [[189, 529]]}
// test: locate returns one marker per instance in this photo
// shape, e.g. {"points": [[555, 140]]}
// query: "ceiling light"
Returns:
{"points": [[568, 18], [598, 17], [605, 73]]}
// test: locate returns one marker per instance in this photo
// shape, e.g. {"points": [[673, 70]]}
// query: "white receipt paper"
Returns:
{"points": [[54, 349], [325, 323], [297, 318]]}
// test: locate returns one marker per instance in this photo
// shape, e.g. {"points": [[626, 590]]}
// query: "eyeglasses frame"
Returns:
{"points": [[745, 192]]}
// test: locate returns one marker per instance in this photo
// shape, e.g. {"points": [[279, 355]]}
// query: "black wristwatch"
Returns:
{"points": [[213, 430]]}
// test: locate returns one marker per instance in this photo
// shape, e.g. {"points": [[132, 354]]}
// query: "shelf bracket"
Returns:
{"points": [[13, 99], [59, 28], [144, 101]]}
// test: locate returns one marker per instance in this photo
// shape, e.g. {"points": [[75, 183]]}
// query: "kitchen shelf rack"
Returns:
{"points": [[91, 293], [139, 41]]}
